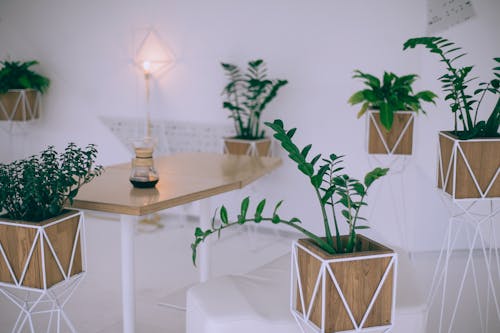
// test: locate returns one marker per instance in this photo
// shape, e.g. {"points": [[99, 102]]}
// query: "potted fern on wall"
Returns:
{"points": [[20, 91], [40, 240], [469, 161], [246, 96], [355, 273], [391, 105]]}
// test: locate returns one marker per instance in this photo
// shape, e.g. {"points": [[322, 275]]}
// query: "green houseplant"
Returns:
{"points": [[20, 88], [473, 143], [340, 197], [246, 96], [388, 100], [34, 192]]}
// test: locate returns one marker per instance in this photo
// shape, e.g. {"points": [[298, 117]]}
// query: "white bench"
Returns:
{"points": [[259, 301]]}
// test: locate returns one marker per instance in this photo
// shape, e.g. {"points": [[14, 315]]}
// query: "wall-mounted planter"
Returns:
{"points": [[20, 105], [40, 255], [260, 147], [398, 141], [345, 292], [469, 168]]}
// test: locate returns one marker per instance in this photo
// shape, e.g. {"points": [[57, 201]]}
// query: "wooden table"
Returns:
{"points": [[184, 178]]}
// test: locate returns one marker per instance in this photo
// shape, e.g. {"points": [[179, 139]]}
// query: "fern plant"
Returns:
{"points": [[339, 197], [391, 94], [456, 85], [18, 75], [37, 188], [247, 95]]}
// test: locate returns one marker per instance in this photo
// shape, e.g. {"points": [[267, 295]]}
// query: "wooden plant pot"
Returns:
{"points": [[398, 141], [469, 169], [20, 105], [42, 254], [260, 147], [343, 292]]}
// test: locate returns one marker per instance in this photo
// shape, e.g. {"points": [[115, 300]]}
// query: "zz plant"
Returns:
{"points": [[340, 197], [18, 75], [37, 188], [456, 83], [390, 94], [247, 95]]}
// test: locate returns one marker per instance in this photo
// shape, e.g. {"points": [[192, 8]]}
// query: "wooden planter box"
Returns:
{"points": [[39, 255], [469, 168], [398, 141], [20, 105], [260, 147], [364, 279]]}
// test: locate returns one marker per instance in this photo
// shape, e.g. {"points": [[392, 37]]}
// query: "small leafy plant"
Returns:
{"points": [[391, 94], [455, 84], [339, 197], [18, 75], [247, 95], [37, 188]]}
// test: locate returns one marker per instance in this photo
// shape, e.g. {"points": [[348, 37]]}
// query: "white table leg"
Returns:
{"points": [[204, 249], [128, 271]]}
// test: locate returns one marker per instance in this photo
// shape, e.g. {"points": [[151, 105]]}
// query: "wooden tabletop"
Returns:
{"points": [[183, 178]]}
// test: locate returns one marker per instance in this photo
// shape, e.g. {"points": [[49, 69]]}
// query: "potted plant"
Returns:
{"points": [[245, 97], [348, 267], [20, 91], [391, 106], [40, 240], [469, 162]]}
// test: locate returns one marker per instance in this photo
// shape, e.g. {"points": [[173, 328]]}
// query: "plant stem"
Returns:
{"points": [[479, 103], [328, 233]]}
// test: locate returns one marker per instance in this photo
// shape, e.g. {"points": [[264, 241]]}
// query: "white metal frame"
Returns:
{"points": [[36, 301], [397, 164], [451, 173], [252, 146], [371, 119], [325, 271], [28, 113], [469, 218]]}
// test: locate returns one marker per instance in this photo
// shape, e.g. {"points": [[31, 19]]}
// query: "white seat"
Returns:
{"points": [[259, 301]]}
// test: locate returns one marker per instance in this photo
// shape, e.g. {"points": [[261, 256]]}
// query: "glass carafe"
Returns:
{"points": [[143, 174]]}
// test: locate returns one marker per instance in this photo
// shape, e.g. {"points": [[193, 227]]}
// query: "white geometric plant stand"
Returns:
{"points": [[394, 184], [326, 274], [44, 306], [473, 225], [474, 221]]}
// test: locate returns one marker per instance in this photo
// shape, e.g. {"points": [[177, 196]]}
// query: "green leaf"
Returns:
{"points": [[305, 150], [346, 214], [244, 207], [223, 215], [356, 98], [198, 232], [277, 206], [260, 207], [374, 175]]}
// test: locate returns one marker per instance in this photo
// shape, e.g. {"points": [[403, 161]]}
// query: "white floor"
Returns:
{"points": [[164, 270]]}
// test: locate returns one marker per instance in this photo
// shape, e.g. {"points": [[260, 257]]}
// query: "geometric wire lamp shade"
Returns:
{"points": [[153, 56]]}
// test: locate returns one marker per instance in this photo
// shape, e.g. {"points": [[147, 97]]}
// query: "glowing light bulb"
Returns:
{"points": [[146, 65]]}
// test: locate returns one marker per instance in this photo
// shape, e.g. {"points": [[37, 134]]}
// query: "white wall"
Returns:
{"points": [[86, 48]]}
